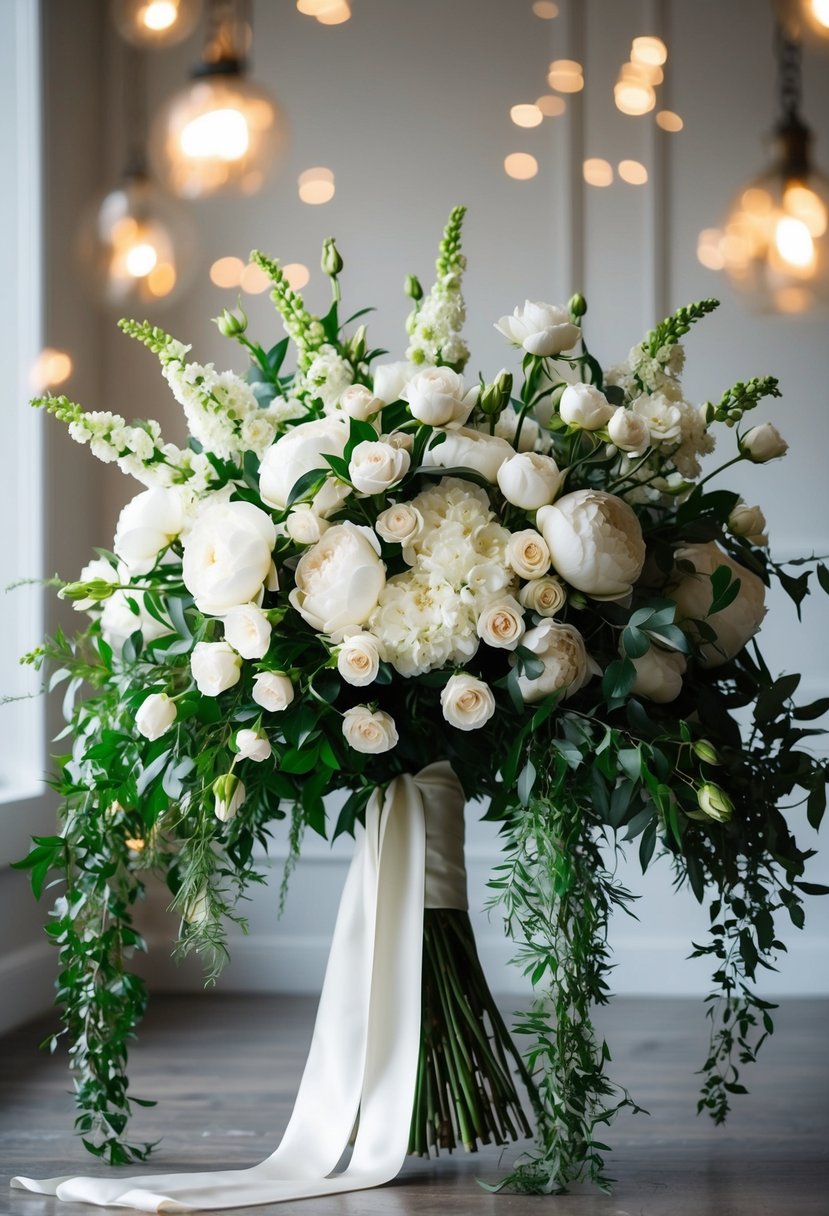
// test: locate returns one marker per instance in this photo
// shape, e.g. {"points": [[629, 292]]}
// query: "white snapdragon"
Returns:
{"points": [[662, 416], [467, 703], [435, 327], [328, 376]]}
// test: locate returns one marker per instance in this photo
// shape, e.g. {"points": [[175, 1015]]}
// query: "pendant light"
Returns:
{"points": [[775, 246], [155, 23], [221, 133], [135, 244]]}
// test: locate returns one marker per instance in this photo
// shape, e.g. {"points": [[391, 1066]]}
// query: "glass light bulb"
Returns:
{"points": [[221, 134], [135, 246], [155, 23]]}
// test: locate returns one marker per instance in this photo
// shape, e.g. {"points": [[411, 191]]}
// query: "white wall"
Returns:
{"points": [[409, 105]]}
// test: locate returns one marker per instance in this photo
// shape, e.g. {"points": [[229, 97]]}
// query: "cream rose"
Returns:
{"points": [[248, 631], [529, 480], [762, 443], [501, 623], [659, 674], [595, 542], [546, 596], [227, 556], [562, 651], [583, 405], [252, 745], [359, 402], [338, 582], [468, 449], [215, 666], [542, 329], [304, 526], [369, 731], [628, 431], [735, 624], [155, 715], [358, 659], [467, 703], [376, 466], [296, 453], [437, 396], [401, 524], [745, 520], [272, 690], [527, 554], [146, 526]]}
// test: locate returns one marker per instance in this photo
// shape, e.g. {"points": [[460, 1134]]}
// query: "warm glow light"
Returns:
{"points": [[597, 172], [820, 12], [135, 844], [334, 14], [757, 202], [633, 172], [253, 280], [159, 15], [296, 274], [642, 73], [709, 249], [566, 76], [520, 165], [634, 98], [161, 280], [550, 105], [526, 115], [227, 272], [316, 186], [804, 205], [545, 9], [669, 121], [218, 134], [50, 369], [794, 243], [649, 50], [793, 300], [140, 259]]}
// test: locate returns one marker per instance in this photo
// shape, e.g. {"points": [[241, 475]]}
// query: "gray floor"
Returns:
{"points": [[225, 1069]]}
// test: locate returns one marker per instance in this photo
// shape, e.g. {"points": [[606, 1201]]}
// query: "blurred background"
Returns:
{"points": [[645, 152]]}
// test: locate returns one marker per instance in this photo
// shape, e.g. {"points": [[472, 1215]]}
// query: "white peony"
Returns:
{"points": [[467, 703], [437, 396], [215, 667], [374, 467], [501, 624], [541, 329], [546, 596], [358, 659], [595, 542], [562, 651], [272, 690], [155, 715], [391, 378], [468, 449], [659, 674], [629, 431], [147, 525], [583, 405], [369, 731], [735, 624], [662, 416], [248, 631], [339, 581], [297, 452], [529, 480], [227, 556]]}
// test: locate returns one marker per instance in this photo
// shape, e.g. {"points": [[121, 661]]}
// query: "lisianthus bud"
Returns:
{"points": [[356, 346], [413, 288], [229, 793], [495, 397], [231, 324], [706, 751], [715, 803], [577, 305], [331, 261]]}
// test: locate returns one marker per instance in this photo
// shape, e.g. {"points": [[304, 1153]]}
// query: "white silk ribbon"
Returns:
{"points": [[364, 1051]]}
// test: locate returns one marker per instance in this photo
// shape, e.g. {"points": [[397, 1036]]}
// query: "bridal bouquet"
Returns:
{"points": [[357, 567]]}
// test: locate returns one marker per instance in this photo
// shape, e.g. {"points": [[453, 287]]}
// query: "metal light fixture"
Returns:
{"points": [[135, 245], [775, 246], [221, 133], [804, 19], [155, 23]]}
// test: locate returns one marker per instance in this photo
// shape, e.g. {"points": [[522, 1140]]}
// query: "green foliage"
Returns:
{"points": [[450, 259], [741, 398], [669, 331]]}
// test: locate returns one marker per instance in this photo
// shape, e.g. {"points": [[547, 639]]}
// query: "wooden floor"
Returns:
{"points": [[225, 1069]]}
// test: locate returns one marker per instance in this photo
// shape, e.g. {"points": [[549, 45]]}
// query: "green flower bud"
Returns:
{"points": [[331, 260], [356, 348], [95, 590], [577, 305], [231, 325], [706, 751], [413, 288], [715, 803], [495, 397], [229, 792]]}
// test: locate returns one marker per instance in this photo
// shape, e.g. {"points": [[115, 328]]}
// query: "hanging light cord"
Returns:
{"points": [[788, 75], [228, 37], [134, 82]]}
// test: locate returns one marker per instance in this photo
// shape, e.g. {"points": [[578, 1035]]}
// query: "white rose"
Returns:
{"points": [[437, 396], [155, 715], [358, 659], [735, 624], [749, 522], [529, 480], [304, 526], [762, 443], [251, 745], [146, 526], [467, 703], [248, 631], [228, 556], [561, 649], [369, 731], [401, 524], [630, 432], [376, 466], [546, 596], [215, 667], [391, 378], [659, 674], [468, 449], [229, 793], [338, 582], [595, 542], [119, 621], [296, 453], [583, 405], [542, 329], [359, 402], [272, 690], [527, 554], [502, 623]]}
